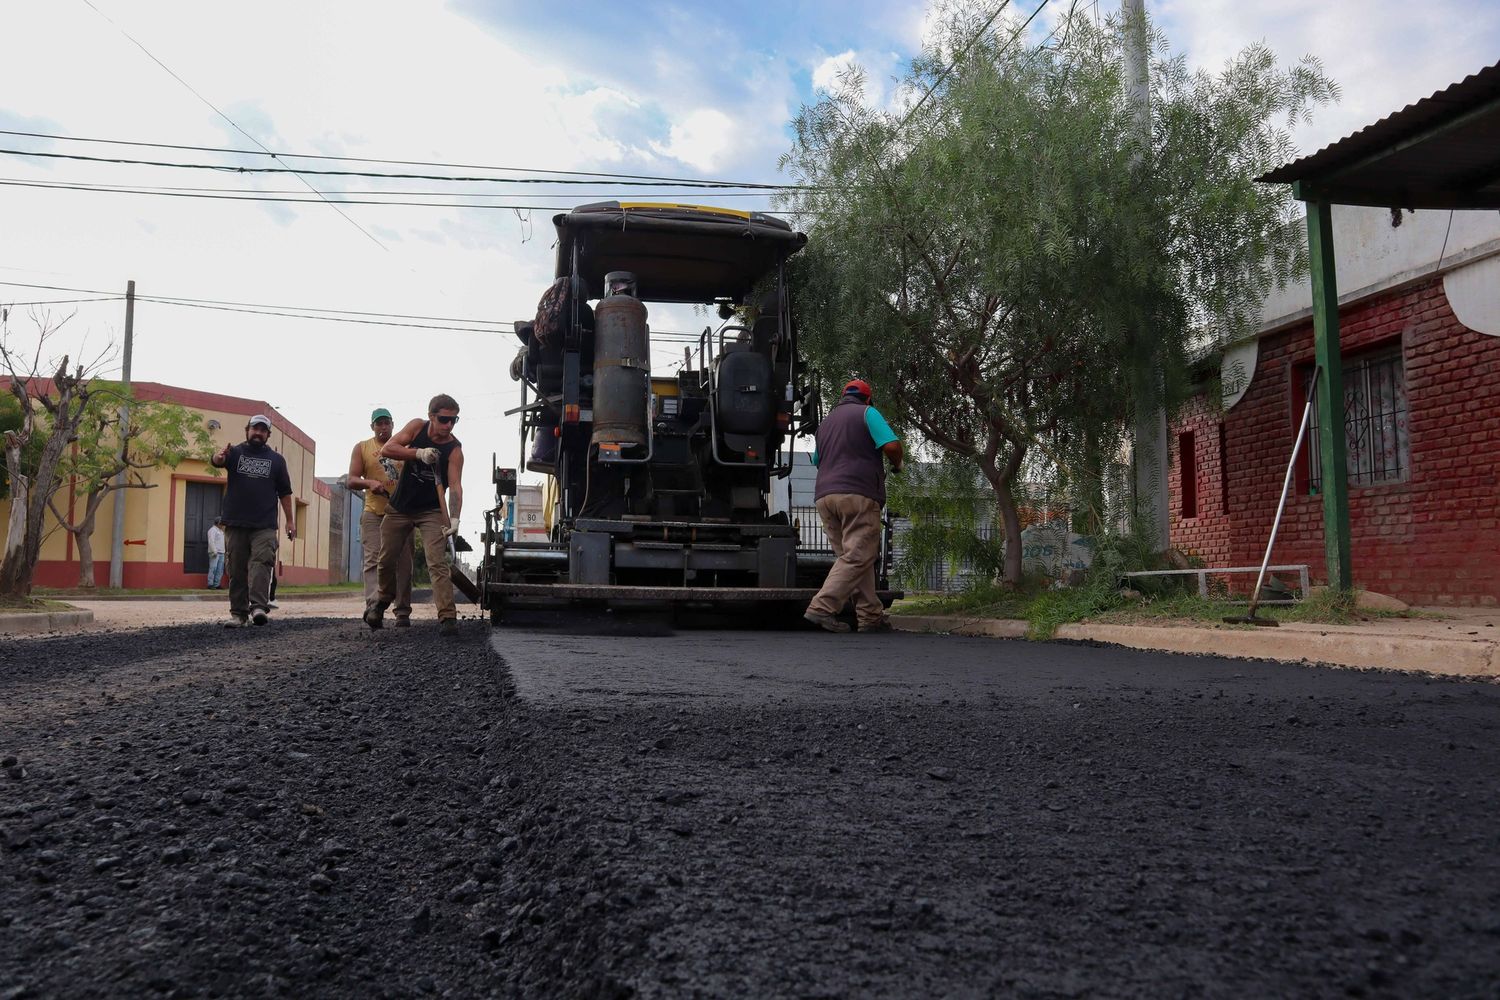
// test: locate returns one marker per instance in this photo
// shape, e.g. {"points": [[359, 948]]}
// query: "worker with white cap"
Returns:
{"points": [[258, 478]]}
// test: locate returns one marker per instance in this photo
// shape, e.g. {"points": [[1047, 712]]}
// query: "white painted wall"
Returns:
{"points": [[1371, 255]]}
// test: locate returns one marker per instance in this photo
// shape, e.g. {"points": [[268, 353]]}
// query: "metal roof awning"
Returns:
{"points": [[1440, 152]]}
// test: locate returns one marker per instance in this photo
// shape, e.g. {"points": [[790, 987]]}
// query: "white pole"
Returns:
{"points": [[1286, 485], [1152, 505], [117, 537]]}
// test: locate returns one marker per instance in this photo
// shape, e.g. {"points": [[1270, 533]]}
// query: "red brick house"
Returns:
{"points": [[1420, 335]]}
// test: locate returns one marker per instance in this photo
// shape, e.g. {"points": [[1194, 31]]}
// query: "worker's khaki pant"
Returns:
{"points": [[395, 535], [852, 523], [369, 540], [252, 563]]}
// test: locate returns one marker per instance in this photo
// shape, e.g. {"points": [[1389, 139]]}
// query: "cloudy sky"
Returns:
{"points": [[680, 90]]}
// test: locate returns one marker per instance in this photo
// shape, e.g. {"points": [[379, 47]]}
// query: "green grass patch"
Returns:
{"points": [[1067, 606], [1045, 610], [32, 605], [988, 600], [1042, 608]]}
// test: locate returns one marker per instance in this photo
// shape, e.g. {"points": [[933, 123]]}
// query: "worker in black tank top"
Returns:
{"points": [[416, 490], [428, 498]]}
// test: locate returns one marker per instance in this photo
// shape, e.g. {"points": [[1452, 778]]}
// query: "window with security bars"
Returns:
{"points": [[1375, 422]]}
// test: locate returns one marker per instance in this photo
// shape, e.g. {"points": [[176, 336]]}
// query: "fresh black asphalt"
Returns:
{"points": [[601, 810]]}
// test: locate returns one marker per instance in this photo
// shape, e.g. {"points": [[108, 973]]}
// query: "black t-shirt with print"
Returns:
{"points": [[258, 477]]}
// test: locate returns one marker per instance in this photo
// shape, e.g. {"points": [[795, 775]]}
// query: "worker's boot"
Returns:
{"points": [[827, 623]]}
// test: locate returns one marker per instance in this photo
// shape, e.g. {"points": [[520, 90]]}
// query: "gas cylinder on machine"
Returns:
{"points": [[622, 364]]}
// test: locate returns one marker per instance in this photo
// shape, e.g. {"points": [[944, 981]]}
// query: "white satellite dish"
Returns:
{"points": [[1237, 370]]}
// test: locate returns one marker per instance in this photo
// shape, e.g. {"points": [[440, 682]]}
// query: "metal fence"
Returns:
{"points": [[939, 576], [810, 533]]}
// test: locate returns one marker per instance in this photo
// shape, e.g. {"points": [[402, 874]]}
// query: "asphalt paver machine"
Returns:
{"points": [[660, 451]]}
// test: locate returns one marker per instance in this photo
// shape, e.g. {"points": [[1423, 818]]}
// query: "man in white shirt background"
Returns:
{"points": [[215, 554]]}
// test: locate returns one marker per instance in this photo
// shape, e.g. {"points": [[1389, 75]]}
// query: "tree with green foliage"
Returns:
{"points": [[50, 410], [1002, 259], [154, 434], [12, 420]]}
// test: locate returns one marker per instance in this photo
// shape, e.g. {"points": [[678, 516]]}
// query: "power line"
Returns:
{"points": [[178, 299], [87, 185], [371, 159], [325, 319], [229, 168], [293, 201], [1024, 25], [970, 44], [235, 125], [61, 302], [1067, 19], [305, 312], [251, 196], [963, 52]]}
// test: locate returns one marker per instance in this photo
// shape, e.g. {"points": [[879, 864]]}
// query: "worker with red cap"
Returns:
{"points": [[854, 441]]}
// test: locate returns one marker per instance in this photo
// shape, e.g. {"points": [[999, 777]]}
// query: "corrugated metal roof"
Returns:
{"points": [[1440, 152]]}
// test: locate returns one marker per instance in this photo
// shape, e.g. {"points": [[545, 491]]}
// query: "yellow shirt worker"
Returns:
{"points": [[376, 475]]}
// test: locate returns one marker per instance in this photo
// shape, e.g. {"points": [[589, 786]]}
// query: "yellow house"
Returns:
{"points": [[166, 526]]}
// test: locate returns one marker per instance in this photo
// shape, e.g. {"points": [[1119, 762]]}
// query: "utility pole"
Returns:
{"points": [[117, 535], [1150, 437]]}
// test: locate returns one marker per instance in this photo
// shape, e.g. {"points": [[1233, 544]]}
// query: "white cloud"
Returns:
{"points": [[1385, 54], [826, 75], [882, 75], [701, 141]]}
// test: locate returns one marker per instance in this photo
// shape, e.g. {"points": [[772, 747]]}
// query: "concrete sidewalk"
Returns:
{"points": [[220, 596], [1465, 643], [107, 615], [34, 622]]}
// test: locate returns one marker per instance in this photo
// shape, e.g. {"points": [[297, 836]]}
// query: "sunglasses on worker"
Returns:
{"points": [[445, 420]]}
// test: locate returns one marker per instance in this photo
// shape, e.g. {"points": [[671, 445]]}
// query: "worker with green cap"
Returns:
{"points": [[376, 475]]}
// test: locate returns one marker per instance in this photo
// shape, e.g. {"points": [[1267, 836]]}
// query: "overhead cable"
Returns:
{"points": [[178, 299], [229, 168], [251, 196], [325, 319], [368, 159], [469, 325], [233, 124], [61, 302], [962, 52], [351, 192], [52, 186]]}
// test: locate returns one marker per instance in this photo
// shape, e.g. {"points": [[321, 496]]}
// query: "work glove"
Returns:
{"points": [[427, 456], [451, 531]]}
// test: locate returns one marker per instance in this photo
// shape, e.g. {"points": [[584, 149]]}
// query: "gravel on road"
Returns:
{"points": [[315, 809]]}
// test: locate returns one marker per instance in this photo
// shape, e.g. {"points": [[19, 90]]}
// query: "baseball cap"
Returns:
{"points": [[261, 418], [381, 413], [861, 387]]}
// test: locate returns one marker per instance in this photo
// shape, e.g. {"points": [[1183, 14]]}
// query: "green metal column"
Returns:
{"points": [[1330, 392]]}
